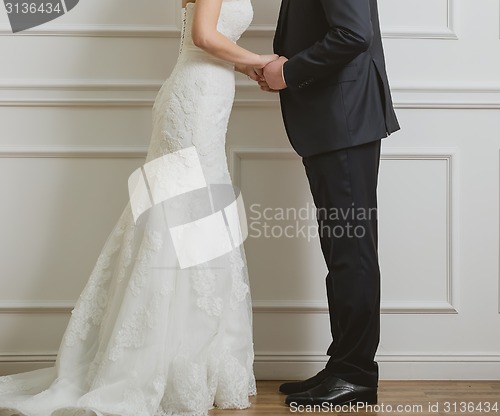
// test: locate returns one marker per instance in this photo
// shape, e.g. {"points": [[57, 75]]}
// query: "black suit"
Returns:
{"points": [[336, 109], [338, 94]]}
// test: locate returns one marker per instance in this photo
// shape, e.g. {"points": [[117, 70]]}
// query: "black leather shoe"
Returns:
{"points": [[300, 386], [334, 391]]}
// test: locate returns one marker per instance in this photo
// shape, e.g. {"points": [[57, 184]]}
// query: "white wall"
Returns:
{"points": [[75, 120]]}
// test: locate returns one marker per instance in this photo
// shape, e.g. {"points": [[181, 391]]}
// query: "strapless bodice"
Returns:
{"points": [[235, 17]]}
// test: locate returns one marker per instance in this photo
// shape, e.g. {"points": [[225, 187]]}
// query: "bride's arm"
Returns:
{"points": [[206, 36]]}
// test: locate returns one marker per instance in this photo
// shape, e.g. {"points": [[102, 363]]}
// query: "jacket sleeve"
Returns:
{"points": [[349, 35]]}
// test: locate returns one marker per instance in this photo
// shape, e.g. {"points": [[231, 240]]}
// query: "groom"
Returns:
{"points": [[336, 107]]}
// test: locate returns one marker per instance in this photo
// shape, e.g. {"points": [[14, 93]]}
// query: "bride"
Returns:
{"points": [[147, 337]]}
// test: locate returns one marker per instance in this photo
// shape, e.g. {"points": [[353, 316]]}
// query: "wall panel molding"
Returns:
{"points": [[172, 30], [236, 155], [89, 30], [20, 358], [318, 307], [142, 93], [285, 356], [36, 307], [78, 92], [60, 152], [467, 366], [446, 31], [255, 30], [92, 152], [268, 306], [448, 156], [452, 366]]}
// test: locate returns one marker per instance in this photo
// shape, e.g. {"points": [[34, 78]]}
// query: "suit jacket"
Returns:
{"points": [[338, 94]]}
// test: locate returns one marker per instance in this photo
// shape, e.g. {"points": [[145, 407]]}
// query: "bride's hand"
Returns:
{"points": [[259, 69], [255, 73], [265, 59]]}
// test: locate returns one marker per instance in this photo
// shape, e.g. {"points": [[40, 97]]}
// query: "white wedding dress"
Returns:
{"points": [[147, 338]]}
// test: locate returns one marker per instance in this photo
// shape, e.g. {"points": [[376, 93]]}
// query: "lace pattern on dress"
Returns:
{"points": [[145, 338]]}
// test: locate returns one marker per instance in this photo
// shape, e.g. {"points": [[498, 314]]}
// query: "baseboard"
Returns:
{"points": [[18, 363], [392, 367], [289, 367]]}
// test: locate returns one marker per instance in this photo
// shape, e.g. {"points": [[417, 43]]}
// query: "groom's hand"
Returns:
{"points": [[273, 74], [255, 74], [251, 72], [265, 87]]}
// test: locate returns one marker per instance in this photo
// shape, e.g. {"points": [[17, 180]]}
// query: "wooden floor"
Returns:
{"points": [[417, 396]]}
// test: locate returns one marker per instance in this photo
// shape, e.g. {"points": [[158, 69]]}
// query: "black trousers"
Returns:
{"points": [[344, 188]]}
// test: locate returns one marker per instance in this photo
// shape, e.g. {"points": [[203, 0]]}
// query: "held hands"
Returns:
{"points": [[256, 72], [268, 74], [273, 76]]}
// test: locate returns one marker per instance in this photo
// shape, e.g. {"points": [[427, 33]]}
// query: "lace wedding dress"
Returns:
{"points": [[147, 338]]}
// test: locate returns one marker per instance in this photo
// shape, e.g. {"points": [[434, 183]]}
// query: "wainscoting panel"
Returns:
{"points": [[55, 220]]}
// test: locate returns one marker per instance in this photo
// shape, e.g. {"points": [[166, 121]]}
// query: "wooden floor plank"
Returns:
{"points": [[424, 398]]}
